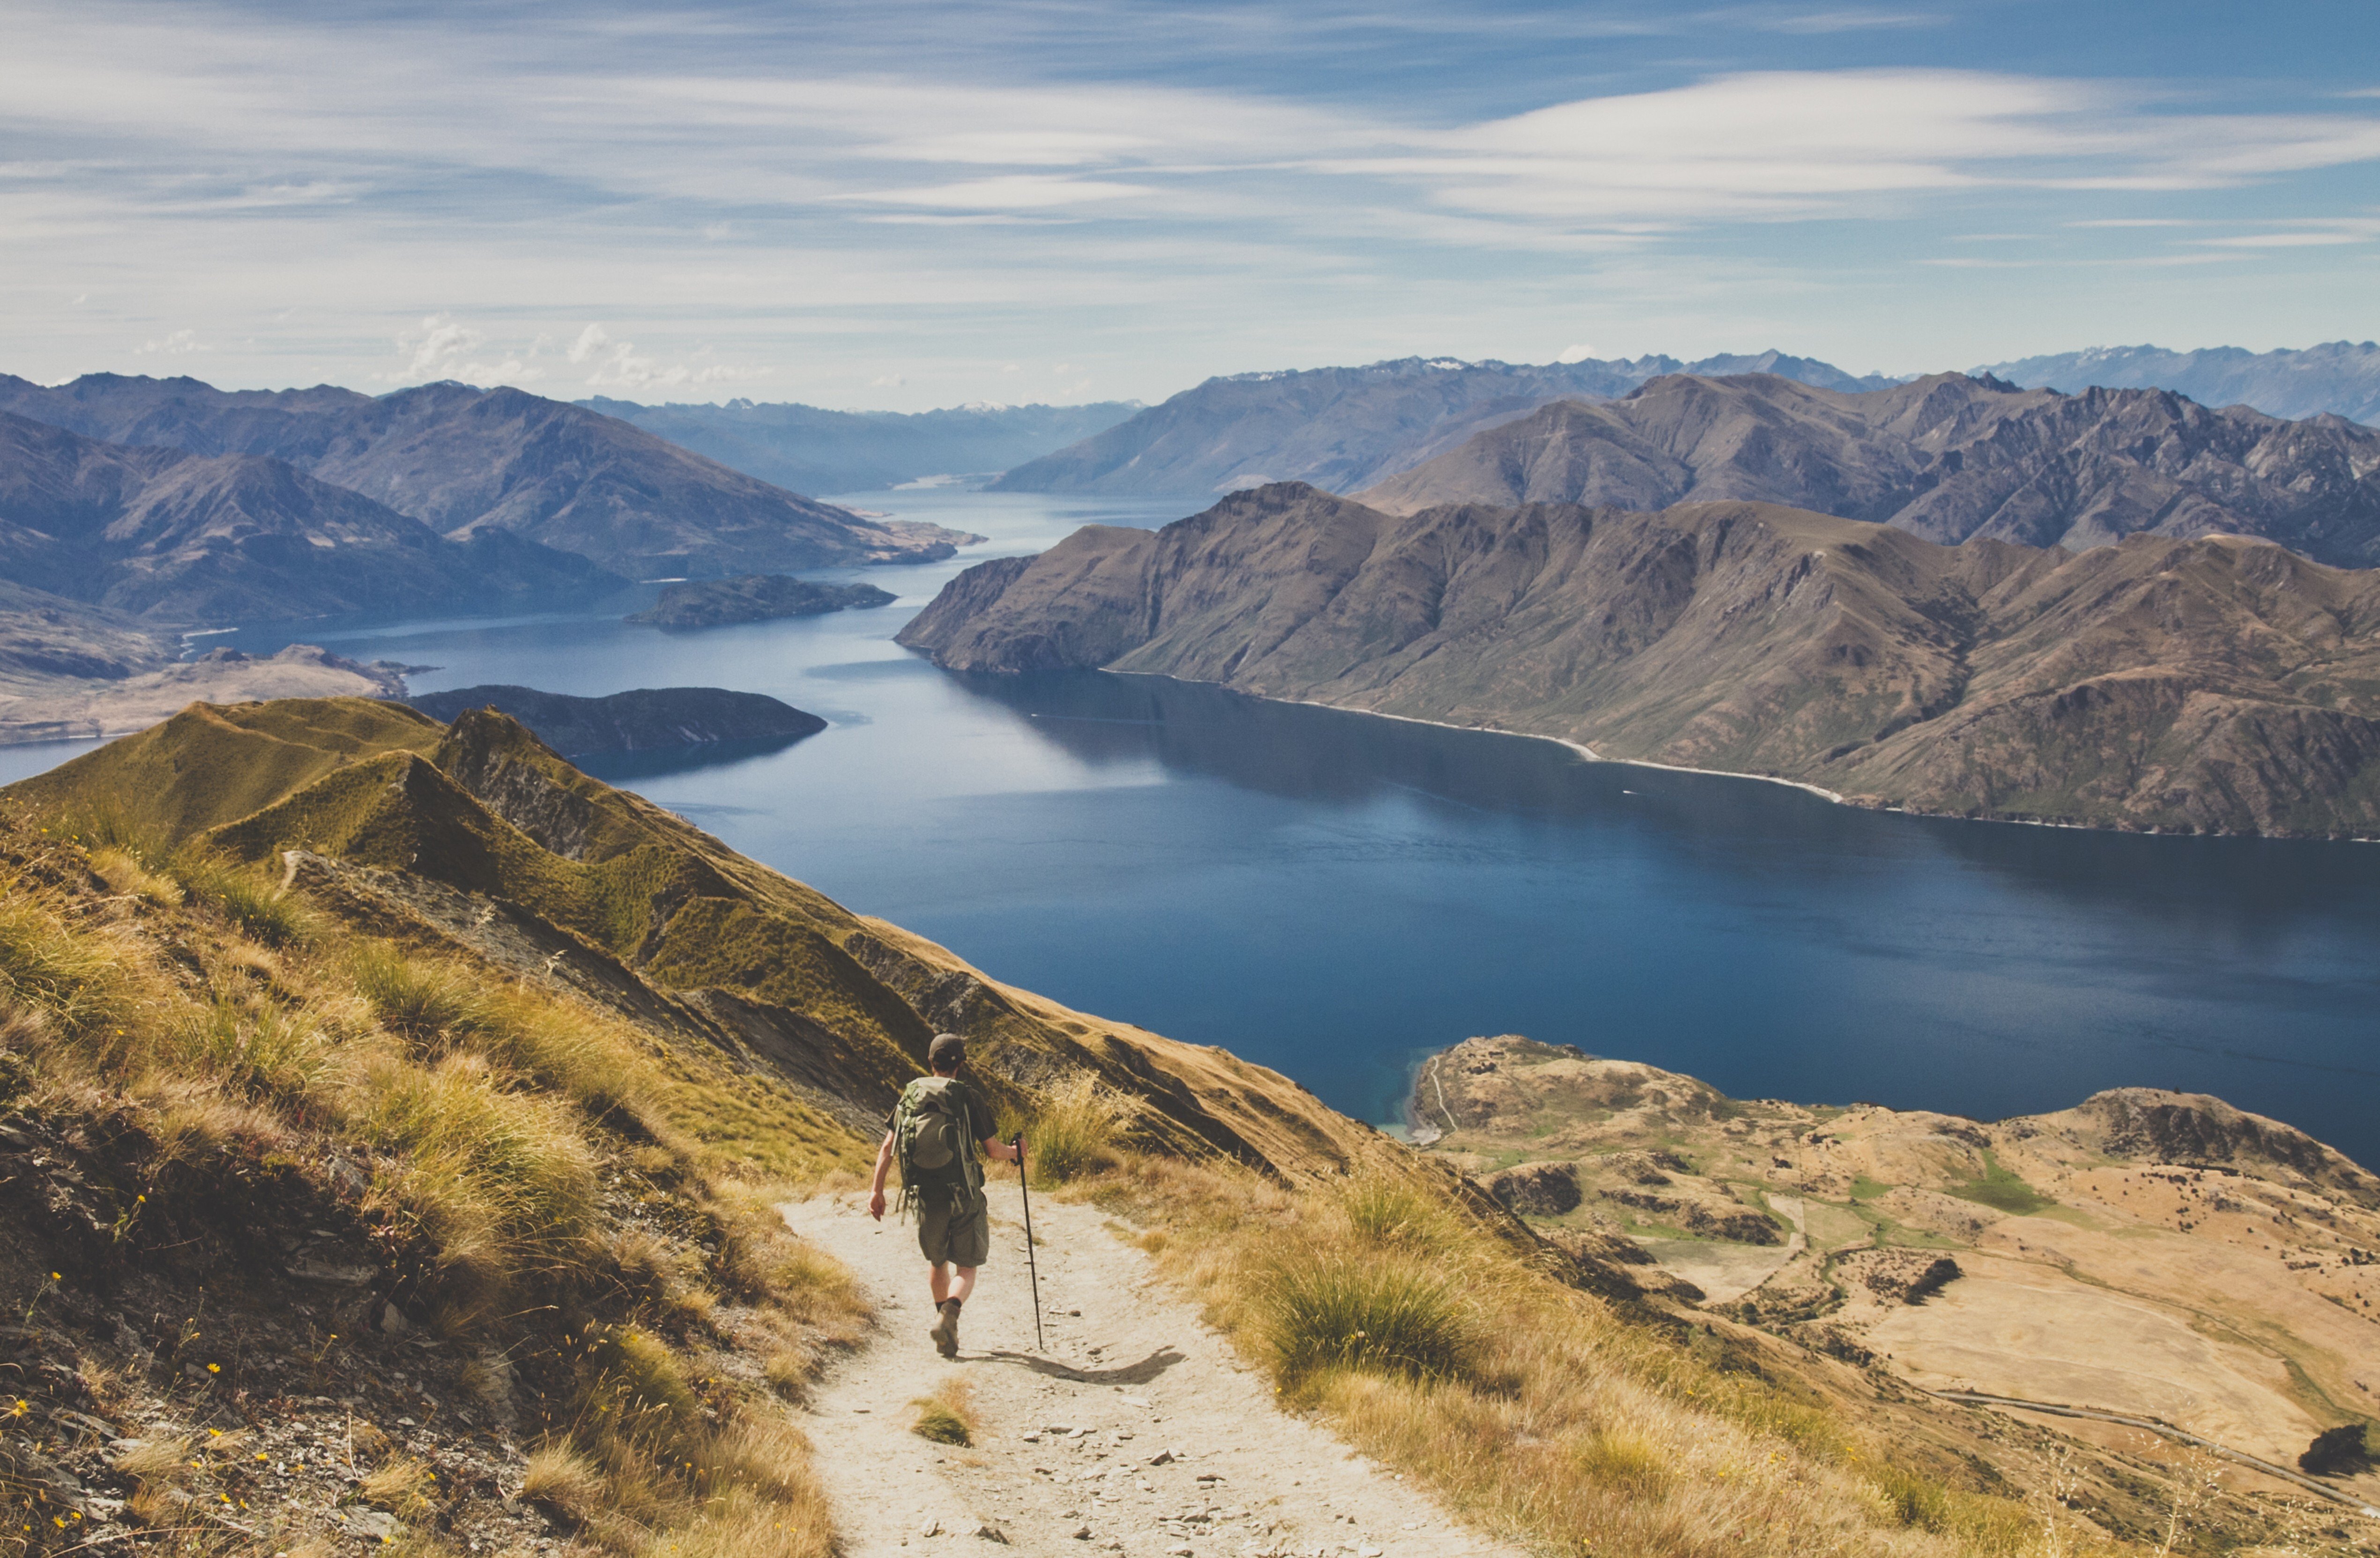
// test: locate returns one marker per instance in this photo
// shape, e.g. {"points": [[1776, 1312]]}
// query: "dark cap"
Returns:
{"points": [[947, 1049]]}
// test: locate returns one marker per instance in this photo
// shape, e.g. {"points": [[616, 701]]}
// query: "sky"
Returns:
{"points": [[900, 204]]}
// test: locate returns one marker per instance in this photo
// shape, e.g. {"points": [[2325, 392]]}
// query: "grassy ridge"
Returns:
{"points": [[136, 1006]]}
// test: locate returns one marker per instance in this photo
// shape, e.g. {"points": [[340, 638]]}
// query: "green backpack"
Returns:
{"points": [[929, 1137]]}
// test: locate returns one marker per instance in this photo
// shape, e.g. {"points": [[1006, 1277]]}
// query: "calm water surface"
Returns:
{"points": [[1333, 895]]}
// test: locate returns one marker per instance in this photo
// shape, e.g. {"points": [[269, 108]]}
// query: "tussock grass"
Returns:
{"points": [[499, 1182], [1371, 1312], [262, 910], [1539, 1411], [80, 980], [1074, 1129], [404, 1486], [948, 1416]]}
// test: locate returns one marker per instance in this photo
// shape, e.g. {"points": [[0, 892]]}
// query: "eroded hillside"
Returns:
{"points": [[2149, 1254]]}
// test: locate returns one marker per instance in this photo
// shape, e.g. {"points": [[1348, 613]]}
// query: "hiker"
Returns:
{"points": [[934, 1131]]}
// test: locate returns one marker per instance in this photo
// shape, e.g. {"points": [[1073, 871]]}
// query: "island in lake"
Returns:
{"points": [[754, 597], [641, 720]]}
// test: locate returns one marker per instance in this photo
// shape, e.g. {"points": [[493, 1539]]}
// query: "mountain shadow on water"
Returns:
{"points": [[1740, 828]]}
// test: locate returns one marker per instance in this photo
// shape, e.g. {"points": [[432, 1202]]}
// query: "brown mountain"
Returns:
{"points": [[1947, 457], [174, 536], [1341, 427], [2216, 683], [466, 460]]}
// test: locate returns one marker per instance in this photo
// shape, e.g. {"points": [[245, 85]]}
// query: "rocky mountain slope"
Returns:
{"points": [[467, 462], [641, 720], [1947, 457], [1346, 428], [180, 537], [2340, 377], [2147, 1254], [2208, 684], [809, 448]]}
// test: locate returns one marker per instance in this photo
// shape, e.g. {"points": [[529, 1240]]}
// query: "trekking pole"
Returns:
{"points": [[1031, 1267]]}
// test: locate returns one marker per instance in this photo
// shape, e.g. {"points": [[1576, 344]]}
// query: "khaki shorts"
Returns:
{"points": [[963, 1238]]}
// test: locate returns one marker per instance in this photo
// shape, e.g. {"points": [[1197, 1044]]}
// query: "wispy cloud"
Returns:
{"points": [[1112, 183]]}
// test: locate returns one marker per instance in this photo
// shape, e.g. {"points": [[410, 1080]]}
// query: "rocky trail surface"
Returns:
{"points": [[1136, 1431]]}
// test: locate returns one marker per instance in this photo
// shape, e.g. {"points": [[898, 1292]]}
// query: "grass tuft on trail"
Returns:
{"points": [[948, 1416]]}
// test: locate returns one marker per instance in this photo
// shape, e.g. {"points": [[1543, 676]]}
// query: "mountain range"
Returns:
{"points": [[466, 462], [1947, 457], [1346, 428], [809, 448], [2337, 376], [177, 536], [2216, 683]]}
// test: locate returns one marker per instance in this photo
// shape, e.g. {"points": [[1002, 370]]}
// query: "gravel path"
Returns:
{"points": [[1137, 1432]]}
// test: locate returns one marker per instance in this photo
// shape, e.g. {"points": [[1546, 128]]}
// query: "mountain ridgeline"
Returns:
{"points": [[2341, 377], [469, 463], [1345, 427], [2214, 684], [1947, 457], [166, 535]]}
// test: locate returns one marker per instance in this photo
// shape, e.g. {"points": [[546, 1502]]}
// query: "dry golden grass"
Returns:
{"points": [[948, 1414], [489, 1109], [1074, 1129], [1535, 1409], [406, 1488]]}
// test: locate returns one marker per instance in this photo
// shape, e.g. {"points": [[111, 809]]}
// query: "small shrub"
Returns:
{"points": [[947, 1416], [1629, 1460], [1370, 1313], [2343, 1451]]}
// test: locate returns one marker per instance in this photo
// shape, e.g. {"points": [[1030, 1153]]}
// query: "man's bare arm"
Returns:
{"points": [[883, 1167]]}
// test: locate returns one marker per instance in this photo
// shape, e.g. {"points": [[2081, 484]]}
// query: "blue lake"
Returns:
{"points": [[1333, 894]]}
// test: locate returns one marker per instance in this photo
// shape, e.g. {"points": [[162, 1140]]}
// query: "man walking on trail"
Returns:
{"points": [[934, 1133]]}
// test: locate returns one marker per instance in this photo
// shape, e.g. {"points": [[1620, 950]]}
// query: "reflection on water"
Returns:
{"points": [[1331, 894]]}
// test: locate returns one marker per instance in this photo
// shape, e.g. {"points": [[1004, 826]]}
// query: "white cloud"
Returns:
{"points": [[618, 365], [442, 348], [179, 343], [1579, 352]]}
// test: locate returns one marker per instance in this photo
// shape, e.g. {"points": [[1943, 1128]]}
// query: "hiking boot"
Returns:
{"points": [[946, 1330]]}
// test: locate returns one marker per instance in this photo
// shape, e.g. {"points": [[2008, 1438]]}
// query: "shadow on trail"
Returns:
{"points": [[1139, 1373]]}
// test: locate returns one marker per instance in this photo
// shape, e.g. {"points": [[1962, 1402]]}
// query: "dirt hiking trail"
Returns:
{"points": [[1137, 1432]]}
